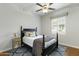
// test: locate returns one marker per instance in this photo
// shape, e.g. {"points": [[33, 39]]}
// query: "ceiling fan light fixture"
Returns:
{"points": [[45, 9]]}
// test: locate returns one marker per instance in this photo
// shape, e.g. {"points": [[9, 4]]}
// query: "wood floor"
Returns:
{"points": [[4, 54], [72, 51]]}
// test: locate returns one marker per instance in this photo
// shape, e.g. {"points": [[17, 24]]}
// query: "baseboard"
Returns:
{"points": [[4, 51], [69, 45]]}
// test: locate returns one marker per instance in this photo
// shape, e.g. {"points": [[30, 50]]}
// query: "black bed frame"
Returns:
{"points": [[46, 51]]}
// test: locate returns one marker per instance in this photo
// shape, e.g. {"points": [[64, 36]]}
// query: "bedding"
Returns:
{"points": [[30, 34], [29, 40], [33, 41], [48, 40], [37, 47]]}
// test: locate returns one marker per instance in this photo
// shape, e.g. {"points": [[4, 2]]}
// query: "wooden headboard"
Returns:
{"points": [[27, 30]]}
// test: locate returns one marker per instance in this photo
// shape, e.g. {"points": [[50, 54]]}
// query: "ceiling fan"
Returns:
{"points": [[45, 7]]}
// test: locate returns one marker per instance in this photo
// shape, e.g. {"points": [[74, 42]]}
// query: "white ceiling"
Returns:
{"points": [[32, 7]]}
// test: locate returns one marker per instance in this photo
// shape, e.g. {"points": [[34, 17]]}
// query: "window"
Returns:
{"points": [[58, 25]]}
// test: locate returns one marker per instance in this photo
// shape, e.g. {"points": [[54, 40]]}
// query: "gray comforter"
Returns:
{"points": [[38, 44], [37, 47]]}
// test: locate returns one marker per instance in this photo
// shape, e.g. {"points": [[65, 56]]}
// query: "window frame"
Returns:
{"points": [[64, 23]]}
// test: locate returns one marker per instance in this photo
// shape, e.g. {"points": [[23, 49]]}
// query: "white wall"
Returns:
{"points": [[10, 21], [71, 38]]}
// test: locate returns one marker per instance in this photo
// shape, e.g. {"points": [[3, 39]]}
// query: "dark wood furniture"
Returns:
{"points": [[46, 51]]}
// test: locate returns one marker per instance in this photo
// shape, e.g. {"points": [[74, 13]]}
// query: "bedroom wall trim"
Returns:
{"points": [[68, 45]]}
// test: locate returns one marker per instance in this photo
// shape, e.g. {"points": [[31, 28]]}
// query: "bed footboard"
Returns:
{"points": [[51, 48]]}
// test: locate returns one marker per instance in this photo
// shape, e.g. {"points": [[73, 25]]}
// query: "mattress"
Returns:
{"points": [[29, 41]]}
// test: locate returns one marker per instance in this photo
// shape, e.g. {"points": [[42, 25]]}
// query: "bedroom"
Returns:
{"points": [[15, 15]]}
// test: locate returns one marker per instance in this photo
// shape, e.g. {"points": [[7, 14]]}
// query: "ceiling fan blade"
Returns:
{"points": [[39, 4], [50, 3], [38, 10], [51, 8]]}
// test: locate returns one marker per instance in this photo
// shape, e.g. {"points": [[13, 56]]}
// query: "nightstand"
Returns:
{"points": [[16, 42]]}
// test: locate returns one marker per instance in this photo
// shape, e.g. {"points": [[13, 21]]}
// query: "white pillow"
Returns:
{"points": [[30, 34]]}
